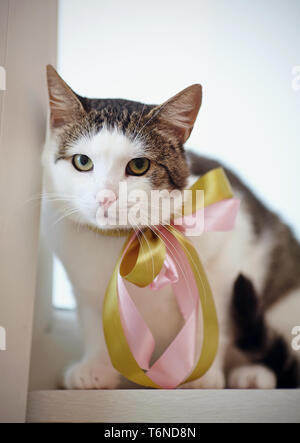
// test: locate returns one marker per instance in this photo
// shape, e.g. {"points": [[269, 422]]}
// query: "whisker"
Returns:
{"points": [[155, 231], [189, 254], [144, 236], [186, 250], [150, 119], [173, 255], [66, 214]]}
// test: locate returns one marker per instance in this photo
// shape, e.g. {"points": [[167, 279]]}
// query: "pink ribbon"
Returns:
{"points": [[177, 361]]}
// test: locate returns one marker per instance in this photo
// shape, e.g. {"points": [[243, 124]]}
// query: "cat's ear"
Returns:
{"points": [[180, 111], [65, 106]]}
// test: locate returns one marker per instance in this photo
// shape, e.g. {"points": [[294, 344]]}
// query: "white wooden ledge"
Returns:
{"points": [[150, 406]]}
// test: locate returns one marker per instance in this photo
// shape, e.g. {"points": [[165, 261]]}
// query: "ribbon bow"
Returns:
{"points": [[161, 256]]}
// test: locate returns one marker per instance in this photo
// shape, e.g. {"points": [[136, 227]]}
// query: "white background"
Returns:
{"points": [[242, 52]]}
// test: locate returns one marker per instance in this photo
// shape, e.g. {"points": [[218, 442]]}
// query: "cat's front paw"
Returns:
{"points": [[213, 379], [252, 377], [91, 374]]}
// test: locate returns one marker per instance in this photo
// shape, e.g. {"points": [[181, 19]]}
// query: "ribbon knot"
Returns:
{"points": [[168, 275]]}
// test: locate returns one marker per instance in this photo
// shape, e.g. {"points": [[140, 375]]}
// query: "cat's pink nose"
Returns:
{"points": [[105, 201]]}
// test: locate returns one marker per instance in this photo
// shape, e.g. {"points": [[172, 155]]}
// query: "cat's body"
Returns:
{"points": [[252, 249]]}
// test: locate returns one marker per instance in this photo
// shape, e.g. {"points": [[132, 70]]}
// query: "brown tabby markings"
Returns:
{"points": [[283, 268], [170, 169], [162, 129]]}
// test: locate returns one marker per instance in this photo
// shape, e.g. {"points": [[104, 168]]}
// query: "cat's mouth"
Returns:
{"points": [[138, 209], [121, 218]]}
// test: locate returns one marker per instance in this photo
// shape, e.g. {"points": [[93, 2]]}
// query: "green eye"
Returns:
{"points": [[138, 166], [82, 163]]}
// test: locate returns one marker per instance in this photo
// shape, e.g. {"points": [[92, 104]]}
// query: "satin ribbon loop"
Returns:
{"points": [[144, 259], [215, 185]]}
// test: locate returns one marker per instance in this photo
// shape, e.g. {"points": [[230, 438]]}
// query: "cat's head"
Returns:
{"points": [[96, 144]]}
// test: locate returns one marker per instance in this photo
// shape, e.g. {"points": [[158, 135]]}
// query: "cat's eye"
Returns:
{"points": [[82, 163], [138, 166]]}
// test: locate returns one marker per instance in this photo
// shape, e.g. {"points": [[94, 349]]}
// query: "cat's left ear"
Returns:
{"points": [[180, 111], [65, 106]]}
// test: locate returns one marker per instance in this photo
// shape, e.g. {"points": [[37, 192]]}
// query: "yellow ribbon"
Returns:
{"points": [[141, 263]]}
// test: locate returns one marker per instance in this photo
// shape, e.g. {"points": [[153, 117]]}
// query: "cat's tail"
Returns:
{"points": [[253, 337]]}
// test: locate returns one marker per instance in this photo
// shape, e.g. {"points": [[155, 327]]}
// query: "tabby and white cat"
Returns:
{"points": [[94, 144]]}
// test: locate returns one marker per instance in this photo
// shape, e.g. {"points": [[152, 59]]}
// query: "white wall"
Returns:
{"points": [[242, 52]]}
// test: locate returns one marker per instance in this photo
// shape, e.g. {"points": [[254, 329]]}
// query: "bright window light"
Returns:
{"points": [[62, 290]]}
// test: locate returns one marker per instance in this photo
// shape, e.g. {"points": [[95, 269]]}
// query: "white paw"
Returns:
{"points": [[213, 379], [252, 377], [91, 374]]}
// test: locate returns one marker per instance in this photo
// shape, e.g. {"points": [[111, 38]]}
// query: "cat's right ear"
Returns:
{"points": [[65, 107], [180, 112]]}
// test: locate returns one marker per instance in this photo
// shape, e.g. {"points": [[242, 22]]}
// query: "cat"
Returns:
{"points": [[93, 144]]}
